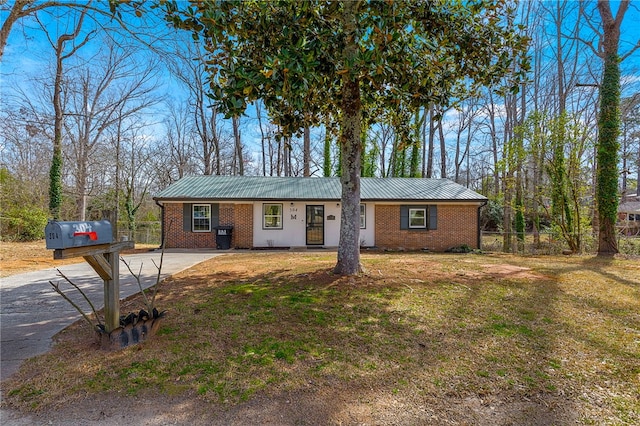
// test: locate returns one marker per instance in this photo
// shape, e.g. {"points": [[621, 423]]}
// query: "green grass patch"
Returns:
{"points": [[414, 325]]}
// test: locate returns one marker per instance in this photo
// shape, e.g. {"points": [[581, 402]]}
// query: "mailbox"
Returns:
{"points": [[62, 235]]}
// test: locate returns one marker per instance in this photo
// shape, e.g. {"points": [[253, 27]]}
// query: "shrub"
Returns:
{"points": [[25, 223], [464, 248]]}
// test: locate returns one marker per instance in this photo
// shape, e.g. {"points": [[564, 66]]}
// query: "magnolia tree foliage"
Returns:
{"points": [[307, 60]]}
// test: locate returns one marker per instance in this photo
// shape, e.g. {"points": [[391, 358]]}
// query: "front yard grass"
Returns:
{"points": [[419, 327]]}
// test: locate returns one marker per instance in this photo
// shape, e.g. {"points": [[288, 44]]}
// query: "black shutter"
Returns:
{"points": [[186, 217], [215, 216], [404, 217], [433, 217]]}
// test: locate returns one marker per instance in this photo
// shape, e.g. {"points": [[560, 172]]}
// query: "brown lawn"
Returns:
{"points": [[276, 338]]}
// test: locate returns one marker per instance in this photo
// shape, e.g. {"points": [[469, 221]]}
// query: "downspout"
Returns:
{"points": [[479, 228], [161, 222]]}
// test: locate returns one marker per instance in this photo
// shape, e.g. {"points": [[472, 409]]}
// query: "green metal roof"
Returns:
{"points": [[245, 188]]}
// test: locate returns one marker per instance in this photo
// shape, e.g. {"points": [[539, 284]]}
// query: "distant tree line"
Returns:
{"points": [[128, 105]]}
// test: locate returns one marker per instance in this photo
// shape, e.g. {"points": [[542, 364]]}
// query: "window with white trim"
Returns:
{"points": [[201, 218], [363, 216], [417, 218], [272, 216]]}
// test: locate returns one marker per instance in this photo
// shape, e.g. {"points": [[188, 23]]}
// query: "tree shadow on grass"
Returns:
{"points": [[291, 346], [382, 358]]}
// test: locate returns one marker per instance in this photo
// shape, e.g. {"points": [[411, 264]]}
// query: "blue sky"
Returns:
{"points": [[29, 54], [28, 50]]}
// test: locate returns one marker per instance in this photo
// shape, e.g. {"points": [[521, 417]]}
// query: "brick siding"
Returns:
{"points": [[243, 226], [240, 216], [457, 225]]}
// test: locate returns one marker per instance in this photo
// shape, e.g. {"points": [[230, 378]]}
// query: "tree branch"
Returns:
{"points": [[57, 289], [629, 53]]}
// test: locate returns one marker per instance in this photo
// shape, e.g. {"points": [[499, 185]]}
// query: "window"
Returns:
{"points": [[272, 216], [363, 216], [201, 218], [417, 218]]}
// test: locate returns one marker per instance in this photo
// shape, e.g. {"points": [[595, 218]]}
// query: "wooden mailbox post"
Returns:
{"points": [[94, 242]]}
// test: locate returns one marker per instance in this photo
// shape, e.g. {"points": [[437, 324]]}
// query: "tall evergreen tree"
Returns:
{"points": [[411, 52]]}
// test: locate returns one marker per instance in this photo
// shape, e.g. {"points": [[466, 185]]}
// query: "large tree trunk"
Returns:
{"points": [[351, 148], [609, 128], [608, 156], [349, 246], [55, 172]]}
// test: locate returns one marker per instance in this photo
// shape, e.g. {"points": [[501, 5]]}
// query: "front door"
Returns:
{"points": [[315, 225]]}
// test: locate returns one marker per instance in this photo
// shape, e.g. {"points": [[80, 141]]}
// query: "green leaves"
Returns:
{"points": [[55, 183], [291, 54], [608, 148]]}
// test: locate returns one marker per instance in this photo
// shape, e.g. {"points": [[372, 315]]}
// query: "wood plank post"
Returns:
{"points": [[112, 286], [105, 260], [112, 293]]}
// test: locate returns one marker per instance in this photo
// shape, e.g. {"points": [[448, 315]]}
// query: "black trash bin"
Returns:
{"points": [[223, 237]]}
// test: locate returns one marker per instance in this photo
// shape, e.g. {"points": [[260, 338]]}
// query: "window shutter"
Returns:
{"points": [[215, 216], [186, 217], [433, 217], [404, 217]]}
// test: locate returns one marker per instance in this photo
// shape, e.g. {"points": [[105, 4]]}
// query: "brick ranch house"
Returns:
{"points": [[629, 215], [395, 213]]}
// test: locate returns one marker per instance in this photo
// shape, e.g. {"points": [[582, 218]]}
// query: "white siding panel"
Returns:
{"points": [[293, 232]]}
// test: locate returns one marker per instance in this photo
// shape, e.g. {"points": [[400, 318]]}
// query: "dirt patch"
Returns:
{"points": [[277, 339], [511, 271], [313, 405], [16, 258]]}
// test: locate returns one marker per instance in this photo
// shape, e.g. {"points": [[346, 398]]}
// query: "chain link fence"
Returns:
{"points": [[547, 243], [145, 233]]}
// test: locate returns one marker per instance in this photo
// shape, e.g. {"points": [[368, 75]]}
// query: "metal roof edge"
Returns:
{"points": [[369, 200], [425, 200]]}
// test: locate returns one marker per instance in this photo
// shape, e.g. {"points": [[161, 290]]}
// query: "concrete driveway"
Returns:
{"points": [[31, 312]]}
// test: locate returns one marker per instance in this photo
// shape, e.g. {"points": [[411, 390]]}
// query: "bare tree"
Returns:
{"points": [[105, 13], [186, 63], [466, 115], [113, 89], [55, 173], [181, 150], [307, 152], [24, 148], [263, 138], [238, 157]]}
